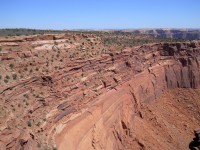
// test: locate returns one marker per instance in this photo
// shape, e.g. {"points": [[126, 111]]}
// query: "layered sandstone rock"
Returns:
{"points": [[92, 104], [108, 122]]}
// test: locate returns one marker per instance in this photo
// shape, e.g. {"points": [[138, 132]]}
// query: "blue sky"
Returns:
{"points": [[99, 14]]}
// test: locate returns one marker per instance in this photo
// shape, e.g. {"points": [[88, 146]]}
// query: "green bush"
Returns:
{"points": [[14, 76], [11, 66]]}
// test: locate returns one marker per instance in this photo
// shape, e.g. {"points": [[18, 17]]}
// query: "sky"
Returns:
{"points": [[99, 14]]}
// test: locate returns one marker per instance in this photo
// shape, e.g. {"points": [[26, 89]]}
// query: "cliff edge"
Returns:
{"points": [[95, 103]]}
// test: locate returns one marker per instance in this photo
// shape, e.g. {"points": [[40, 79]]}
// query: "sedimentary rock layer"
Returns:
{"points": [[92, 104], [107, 123]]}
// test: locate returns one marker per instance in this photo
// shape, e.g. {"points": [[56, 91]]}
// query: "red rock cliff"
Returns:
{"points": [[97, 110], [140, 75]]}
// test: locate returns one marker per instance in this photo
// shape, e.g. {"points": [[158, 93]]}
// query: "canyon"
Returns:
{"points": [[68, 91], [191, 34]]}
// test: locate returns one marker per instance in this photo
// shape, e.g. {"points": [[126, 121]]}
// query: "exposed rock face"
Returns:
{"points": [[98, 109], [107, 123], [171, 33], [109, 119]]}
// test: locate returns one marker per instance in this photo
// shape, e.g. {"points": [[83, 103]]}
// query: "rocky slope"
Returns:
{"points": [[61, 97], [168, 122]]}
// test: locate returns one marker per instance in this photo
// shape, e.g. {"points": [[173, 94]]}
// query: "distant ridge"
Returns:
{"points": [[182, 33]]}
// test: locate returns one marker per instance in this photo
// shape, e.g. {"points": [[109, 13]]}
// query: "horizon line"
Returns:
{"points": [[103, 29]]}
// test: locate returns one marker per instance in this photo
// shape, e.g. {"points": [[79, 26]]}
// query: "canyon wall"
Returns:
{"points": [[107, 122], [92, 104], [171, 33]]}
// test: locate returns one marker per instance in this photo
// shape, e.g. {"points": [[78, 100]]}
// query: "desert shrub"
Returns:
{"points": [[5, 80], [29, 123], [14, 76], [11, 66], [7, 77], [26, 95]]}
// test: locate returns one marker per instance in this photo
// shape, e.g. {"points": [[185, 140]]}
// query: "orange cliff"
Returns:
{"points": [[98, 109]]}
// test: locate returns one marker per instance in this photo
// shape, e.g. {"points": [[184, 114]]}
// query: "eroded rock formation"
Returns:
{"points": [[108, 120], [171, 33], [93, 103]]}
